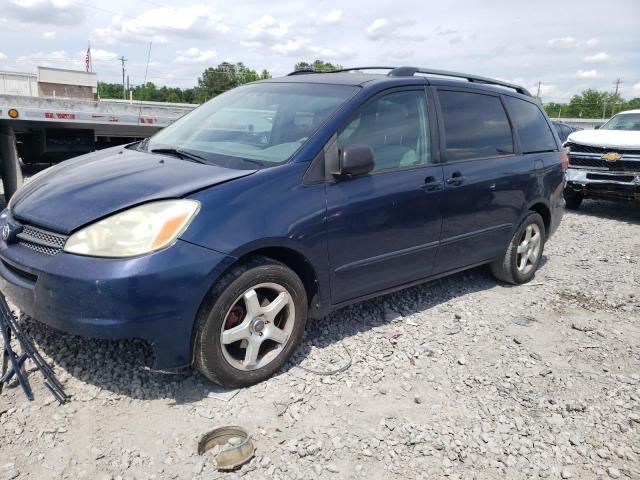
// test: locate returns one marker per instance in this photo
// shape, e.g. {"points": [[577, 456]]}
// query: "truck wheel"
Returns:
{"points": [[250, 323], [520, 261], [573, 199]]}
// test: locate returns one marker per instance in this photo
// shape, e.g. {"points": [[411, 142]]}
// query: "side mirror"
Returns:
{"points": [[597, 127], [355, 160]]}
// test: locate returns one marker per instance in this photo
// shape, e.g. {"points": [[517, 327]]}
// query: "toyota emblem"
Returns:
{"points": [[6, 232]]}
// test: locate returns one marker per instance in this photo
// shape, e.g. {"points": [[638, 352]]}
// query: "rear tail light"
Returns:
{"points": [[564, 158]]}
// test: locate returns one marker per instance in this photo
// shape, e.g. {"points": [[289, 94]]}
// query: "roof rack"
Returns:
{"points": [[410, 71], [353, 69]]}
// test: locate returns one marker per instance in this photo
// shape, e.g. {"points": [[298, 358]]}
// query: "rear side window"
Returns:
{"points": [[475, 126], [533, 130]]}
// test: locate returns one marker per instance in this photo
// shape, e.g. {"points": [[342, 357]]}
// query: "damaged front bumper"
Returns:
{"points": [[622, 185], [154, 297]]}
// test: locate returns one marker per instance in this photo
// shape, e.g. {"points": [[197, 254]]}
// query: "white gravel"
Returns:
{"points": [[463, 378]]}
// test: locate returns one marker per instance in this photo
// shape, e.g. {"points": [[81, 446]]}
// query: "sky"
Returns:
{"points": [[567, 45]]}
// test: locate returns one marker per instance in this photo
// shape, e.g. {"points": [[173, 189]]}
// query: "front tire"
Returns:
{"points": [[521, 260], [573, 199], [250, 323]]}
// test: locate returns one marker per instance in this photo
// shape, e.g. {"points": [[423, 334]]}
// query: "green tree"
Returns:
{"points": [[317, 66], [591, 104], [555, 110], [225, 76]]}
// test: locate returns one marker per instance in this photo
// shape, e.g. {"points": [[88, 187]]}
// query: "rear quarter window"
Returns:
{"points": [[531, 125], [475, 126]]}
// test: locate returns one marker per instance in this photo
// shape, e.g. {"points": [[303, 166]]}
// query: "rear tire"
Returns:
{"points": [[521, 260], [573, 199], [250, 323]]}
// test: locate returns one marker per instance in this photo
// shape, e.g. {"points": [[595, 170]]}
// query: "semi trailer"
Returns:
{"points": [[40, 130]]}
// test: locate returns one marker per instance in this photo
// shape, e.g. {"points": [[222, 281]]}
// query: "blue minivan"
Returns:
{"points": [[282, 200]]}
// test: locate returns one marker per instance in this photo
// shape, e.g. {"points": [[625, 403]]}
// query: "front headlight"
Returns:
{"points": [[136, 231]]}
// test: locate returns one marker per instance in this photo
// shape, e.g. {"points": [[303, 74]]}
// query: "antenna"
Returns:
{"points": [[144, 85]]}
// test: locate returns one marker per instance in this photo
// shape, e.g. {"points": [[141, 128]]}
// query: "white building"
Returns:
{"points": [[50, 82], [17, 83]]}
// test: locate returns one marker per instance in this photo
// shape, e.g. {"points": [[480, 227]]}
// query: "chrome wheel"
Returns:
{"points": [[257, 326], [529, 248]]}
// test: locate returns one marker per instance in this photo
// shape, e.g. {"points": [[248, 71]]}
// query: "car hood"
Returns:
{"points": [[607, 138], [79, 191]]}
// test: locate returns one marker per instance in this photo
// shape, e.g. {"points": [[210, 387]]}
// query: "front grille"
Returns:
{"points": [[40, 240], [619, 166], [610, 178], [577, 148]]}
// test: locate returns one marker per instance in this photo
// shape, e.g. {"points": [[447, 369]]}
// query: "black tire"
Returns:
{"points": [[506, 267], [210, 358], [573, 199]]}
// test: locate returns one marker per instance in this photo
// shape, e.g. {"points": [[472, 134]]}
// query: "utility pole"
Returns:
{"points": [[124, 89], [539, 85], [618, 82]]}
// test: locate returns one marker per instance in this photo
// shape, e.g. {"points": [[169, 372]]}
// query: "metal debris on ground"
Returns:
{"points": [[332, 372], [9, 328], [234, 447]]}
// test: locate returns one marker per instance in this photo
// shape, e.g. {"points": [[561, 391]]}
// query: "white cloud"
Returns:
{"points": [[3, 56], [564, 42], [377, 28], [394, 29], [592, 42], [587, 74], [160, 24], [331, 18], [251, 44], [399, 54], [52, 12], [98, 55], [194, 55], [49, 35], [302, 47], [545, 88], [266, 31], [291, 47], [56, 58], [636, 89], [597, 57]]}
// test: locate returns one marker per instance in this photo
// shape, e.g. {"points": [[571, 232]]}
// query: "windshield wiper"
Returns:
{"points": [[184, 155], [254, 162]]}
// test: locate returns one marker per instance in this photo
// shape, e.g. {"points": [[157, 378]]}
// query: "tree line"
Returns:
{"points": [[591, 104], [212, 82], [216, 80]]}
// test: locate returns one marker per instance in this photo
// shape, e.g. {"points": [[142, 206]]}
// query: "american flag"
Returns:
{"points": [[87, 59]]}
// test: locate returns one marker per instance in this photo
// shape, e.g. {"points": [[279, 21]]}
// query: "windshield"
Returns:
{"points": [[254, 126], [625, 121]]}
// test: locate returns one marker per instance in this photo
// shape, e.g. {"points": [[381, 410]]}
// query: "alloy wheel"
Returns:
{"points": [[257, 326], [529, 249]]}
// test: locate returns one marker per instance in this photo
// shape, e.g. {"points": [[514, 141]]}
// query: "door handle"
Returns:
{"points": [[455, 179], [431, 183]]}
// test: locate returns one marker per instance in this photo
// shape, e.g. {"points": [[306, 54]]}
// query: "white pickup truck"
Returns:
{"points": [[605, 163]]}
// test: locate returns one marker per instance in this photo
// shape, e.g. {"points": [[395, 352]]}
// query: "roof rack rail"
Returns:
{"points": [[303, 71], [308, 70], [410, 71]]}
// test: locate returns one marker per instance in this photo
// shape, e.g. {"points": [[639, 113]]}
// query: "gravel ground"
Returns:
{"points": [[462, 378]]}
